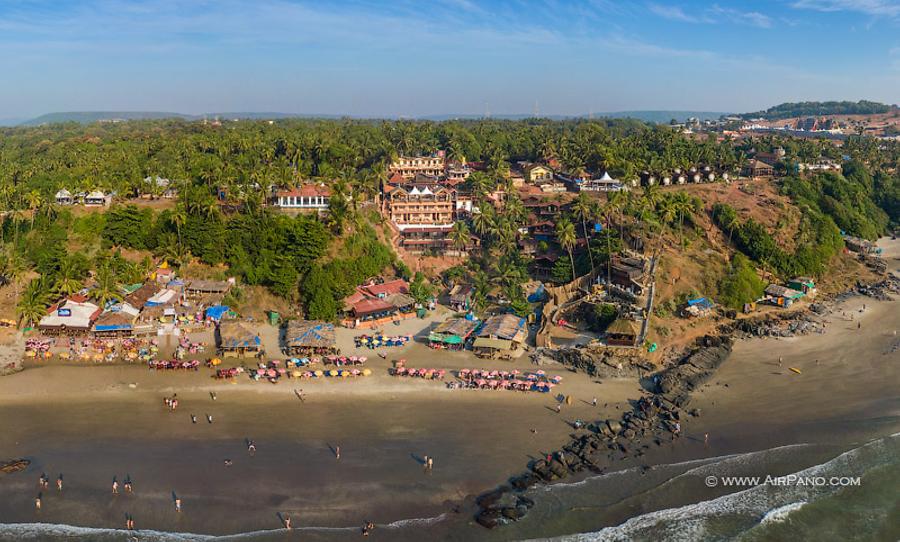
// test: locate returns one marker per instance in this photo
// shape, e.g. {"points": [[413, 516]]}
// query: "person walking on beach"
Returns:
{"points": [[706, 439], [430, 463], [337, 452], [213, 395], [37, 501], [178, 504], [858, 325], [558, 408], [594, 402], [209, 418], [251, 447], [193, 419], [115, 486], [367, 528], [59, 483], [287, 523], [128, 486]]}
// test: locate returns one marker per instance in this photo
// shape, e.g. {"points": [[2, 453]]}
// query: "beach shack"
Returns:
{"points": [[452, 333], [500, 336], [115, 324], [373, 305], [73, 316], [622, 332], [781, 295], [460, 297], [199, 288], [237, 339], [309, 337], [807, 285]]}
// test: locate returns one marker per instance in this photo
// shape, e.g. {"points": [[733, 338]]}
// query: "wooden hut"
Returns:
{"points": [[500, 336], [622, 332], [114, 324], [197, 288], [309, 337], [237, 339], [451, 333]]}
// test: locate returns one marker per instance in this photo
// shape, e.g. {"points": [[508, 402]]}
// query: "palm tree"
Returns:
{"points": [[584, 209], [67, 277], [34, 201], [179, 218], [565, 234], [459, 234], [483, 220], [684, 205], [106, 289], [33, 303]]}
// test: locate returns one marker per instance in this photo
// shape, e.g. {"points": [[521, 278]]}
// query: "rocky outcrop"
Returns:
{"points": [[600, 362], [656, 418], [13, 465]]}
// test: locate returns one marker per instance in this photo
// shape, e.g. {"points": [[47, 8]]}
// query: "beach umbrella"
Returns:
{"points": [[260, 372], [332, 373], [271, 373], [366, 372], [282, 371], [540, 373], [531, 377], [363, 359], [296, 374], [556, 379], [276, 362]]}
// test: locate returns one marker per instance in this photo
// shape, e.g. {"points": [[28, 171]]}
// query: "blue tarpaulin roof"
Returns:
{"points": [[701, 302], [113, 327], [215, 312]]}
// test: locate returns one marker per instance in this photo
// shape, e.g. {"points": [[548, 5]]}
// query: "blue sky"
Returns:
{"points": [[406, 57]]}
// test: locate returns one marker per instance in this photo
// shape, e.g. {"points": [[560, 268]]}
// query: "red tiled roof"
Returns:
{"points": [[307, 190], [78, 298], [371, 306], [398, 286]]}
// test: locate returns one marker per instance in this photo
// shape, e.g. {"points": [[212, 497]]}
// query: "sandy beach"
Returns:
{"points": [[93, 423]]}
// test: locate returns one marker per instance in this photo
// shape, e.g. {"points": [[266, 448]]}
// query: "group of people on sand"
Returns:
{"points": [[171, 402], [44, 483]]}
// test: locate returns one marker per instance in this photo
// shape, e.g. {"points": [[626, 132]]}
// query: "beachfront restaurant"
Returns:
{"points": [[452, 333], [116, 324], [622, 332], [73, 316], [485, 347], [237, 339], [309, 337], [500, 336]]}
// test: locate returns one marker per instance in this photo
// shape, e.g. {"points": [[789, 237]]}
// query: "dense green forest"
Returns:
{"points": [[223, 174], [813, 109]]}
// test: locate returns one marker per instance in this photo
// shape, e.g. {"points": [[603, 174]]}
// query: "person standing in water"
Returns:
{"points": [[178, 504], [37, 501], [59, 483], [337, 452], [115, 486], [287, 523]]}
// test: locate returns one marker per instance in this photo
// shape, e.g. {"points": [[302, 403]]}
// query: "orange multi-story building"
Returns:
{"points": [[410, 166]]}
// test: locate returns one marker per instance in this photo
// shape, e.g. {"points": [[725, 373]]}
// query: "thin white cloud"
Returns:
{"points": [[673, 13], [888, 8], [714, 14], [752, 18]]}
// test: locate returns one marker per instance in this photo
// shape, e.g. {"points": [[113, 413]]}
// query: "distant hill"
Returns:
{"points": [[86, 117], [815, 109]]}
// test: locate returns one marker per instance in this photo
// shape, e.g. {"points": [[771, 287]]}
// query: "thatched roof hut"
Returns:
{"points": [[303, 337], [237, 338]]}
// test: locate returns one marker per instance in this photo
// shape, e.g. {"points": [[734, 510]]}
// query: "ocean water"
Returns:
{"points": [[639, 496]]}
